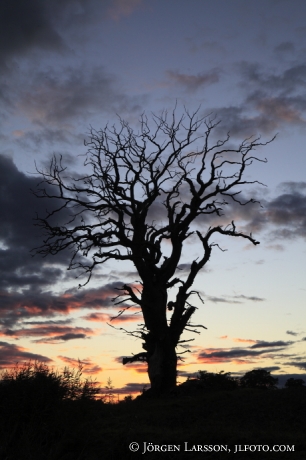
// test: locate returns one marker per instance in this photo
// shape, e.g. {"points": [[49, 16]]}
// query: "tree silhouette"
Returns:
{"points": [[295, 383], [258, 378], [161, 184]]}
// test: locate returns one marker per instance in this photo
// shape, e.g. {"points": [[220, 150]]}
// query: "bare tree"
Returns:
{"points": [[169, 168]]}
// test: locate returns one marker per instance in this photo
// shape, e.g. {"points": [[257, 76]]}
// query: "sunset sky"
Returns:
{"points": [[69, 65]]}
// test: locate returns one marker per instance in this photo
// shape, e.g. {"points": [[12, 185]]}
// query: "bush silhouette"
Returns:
{"points": [[221, 381], [210, 381], [258, 378], [295, 383], [35, 384]]}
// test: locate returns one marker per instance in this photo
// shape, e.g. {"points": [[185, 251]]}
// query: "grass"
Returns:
{"points": [[86, 429]]}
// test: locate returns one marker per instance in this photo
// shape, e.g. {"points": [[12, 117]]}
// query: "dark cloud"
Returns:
{"points": [[115, 318], [288, 81], [285, 48], [30, 31], [35, 25], [88, 367], [56, 99], [52, 332], [118, 9], [243, 355], [271, 101], [42, 136], [12, 354], [284, 215], [224, 299], [26, 282], [183, 269], [252, 298], [62, 338], [193, 82], [234, 299], [97, 317], [228, 355], [186, 374], [241, 124], [27, 25], [50, 322], [30, 303], [139, 367], [297, 363], [286, 212], [18, 235], [132, 388], [56, 96], [264, 344], [292, 333]]}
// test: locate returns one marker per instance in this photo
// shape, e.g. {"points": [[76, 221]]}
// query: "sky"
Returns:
{"points": [[67, 66]]}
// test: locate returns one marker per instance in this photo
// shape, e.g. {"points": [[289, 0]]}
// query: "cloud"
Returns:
{"points": [[11, 354], [97, 317], [264, 344], [114, 318], [88, 367], [29, 303], [122, 8], [288, 213], [25, 26], [132, 388], [292, 333], [241, 124], [285, 48], [26, 282], [235, 299], [50, 333], [281, 110], [242, 355], [193, 82], [44, 135], [271, 101], [33, 25], [62, 338], [299, 364], [57, 96], [124, 318], [244, 340], [252, 298], [221, 355], [139, 367], [288, 81], [18, 235], [284, 215]]}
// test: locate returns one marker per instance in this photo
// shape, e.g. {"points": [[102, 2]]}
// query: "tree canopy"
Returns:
{"points": [[164, 183], [258, 378]]}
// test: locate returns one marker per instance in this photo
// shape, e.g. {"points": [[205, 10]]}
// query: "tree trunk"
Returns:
{"points": [[159, 343], [162, 362]]}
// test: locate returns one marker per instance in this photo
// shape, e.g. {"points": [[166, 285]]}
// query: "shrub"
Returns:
{"points": [[209, 381], [295, 383], [220, 381], [258, 378], [35, 382]]}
